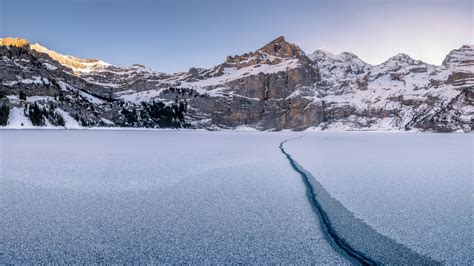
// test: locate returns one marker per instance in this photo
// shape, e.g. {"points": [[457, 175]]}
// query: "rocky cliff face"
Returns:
{"points": [[275, 87]]}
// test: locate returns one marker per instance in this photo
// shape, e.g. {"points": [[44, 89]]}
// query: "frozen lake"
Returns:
{"points": [[153, 196], [413, 188], [219, 197]]}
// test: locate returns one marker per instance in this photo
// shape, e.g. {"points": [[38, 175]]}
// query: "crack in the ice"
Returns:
{"points": [[325, 222], [353, 238]]}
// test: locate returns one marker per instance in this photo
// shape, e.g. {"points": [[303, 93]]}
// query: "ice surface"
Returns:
{"points": [[414, 188], [153, 196], [170, 196]]}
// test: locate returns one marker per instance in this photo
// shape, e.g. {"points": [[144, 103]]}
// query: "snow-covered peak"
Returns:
{"points": [[323, 55], [72, 62], [461, 56], [343, 65], [400, 62], [401, 58], [348, 56]]}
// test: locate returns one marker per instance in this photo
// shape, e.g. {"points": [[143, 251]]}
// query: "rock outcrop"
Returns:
{"points": [[14, 42]]}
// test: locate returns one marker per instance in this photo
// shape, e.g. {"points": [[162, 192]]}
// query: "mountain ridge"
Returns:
{"points": [[15, 41], [275, 87]]}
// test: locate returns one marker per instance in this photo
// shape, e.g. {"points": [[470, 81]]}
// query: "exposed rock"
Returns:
{"points": [[281, 48], [15, 42]]}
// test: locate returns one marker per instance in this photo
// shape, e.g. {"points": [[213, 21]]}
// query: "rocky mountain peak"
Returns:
{"points": [[463, 55], [273, 53], [16, 42], [281, 48]]}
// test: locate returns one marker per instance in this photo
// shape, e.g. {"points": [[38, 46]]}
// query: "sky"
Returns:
{"points": [[174, 35]]}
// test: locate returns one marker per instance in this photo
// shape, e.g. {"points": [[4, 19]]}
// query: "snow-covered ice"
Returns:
{"points": [[153, 196], [415, 188], [170, 196]]}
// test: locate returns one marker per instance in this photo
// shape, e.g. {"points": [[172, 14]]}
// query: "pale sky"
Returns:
{"points": [[174, 35]]}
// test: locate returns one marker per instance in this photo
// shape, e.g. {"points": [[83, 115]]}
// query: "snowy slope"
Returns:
{"points": [[18, 120]]}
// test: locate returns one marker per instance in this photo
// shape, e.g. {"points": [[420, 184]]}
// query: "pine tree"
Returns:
{"points": [[36, 115], [4, 113], [22, 96]]}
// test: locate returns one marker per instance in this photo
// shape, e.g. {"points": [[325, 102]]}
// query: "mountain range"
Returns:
{"points": [[272, 88]]}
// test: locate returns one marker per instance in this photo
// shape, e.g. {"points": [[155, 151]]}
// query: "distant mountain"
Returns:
{"points": [[275, 87]]}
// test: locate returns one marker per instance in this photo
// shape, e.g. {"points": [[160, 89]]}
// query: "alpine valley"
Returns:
{"points": [[275, 87]]}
